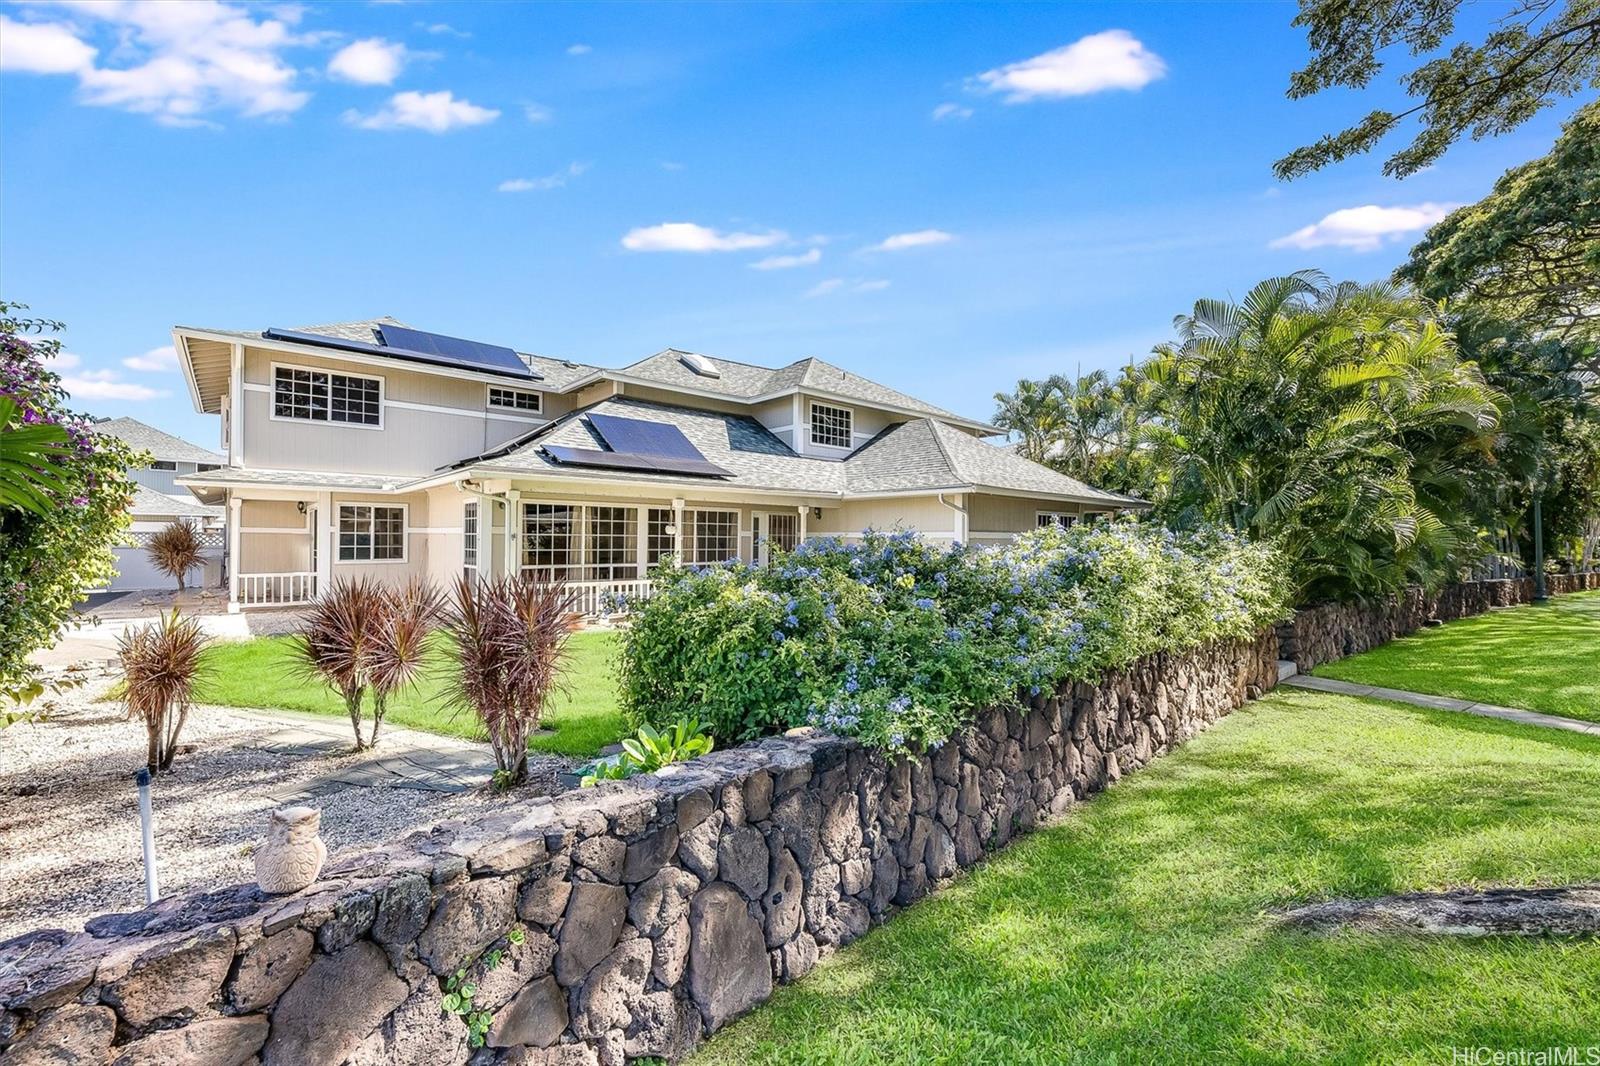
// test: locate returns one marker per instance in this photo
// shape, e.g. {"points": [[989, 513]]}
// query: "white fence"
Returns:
{"points": [[593, 599], [277, 590]]}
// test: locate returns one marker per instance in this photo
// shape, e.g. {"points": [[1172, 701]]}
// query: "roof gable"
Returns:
{"points": [[160, 445]]}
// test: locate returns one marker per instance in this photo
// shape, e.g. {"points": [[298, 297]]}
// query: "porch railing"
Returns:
{"points": [[598, 598], [277, 590]]}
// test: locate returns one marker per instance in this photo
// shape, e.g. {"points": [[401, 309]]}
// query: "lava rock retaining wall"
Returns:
{"points": [[1330, 631], [649, 913]]}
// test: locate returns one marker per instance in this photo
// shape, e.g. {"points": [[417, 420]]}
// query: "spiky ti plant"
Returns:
{"points": [[176, 550], [161, 663], [511, 636], [336, 641], [399, 652]]}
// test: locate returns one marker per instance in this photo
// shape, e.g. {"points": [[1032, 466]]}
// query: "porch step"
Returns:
{"points": [[1286, 669]]}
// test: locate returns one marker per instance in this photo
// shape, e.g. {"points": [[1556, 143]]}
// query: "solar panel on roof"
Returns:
{"points": [[472, 353], [655, 464], [514, 367], [644, 438]]}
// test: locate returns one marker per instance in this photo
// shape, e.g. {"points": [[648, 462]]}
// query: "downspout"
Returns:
{"points": [[961, 518]]}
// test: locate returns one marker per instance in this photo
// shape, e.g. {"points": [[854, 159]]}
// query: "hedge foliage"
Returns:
{"points": [[897, 641]]}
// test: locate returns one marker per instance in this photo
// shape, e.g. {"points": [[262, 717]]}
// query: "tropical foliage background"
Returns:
{"points": [[1380, 435]]}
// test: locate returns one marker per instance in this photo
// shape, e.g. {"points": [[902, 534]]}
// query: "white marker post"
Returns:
{"points": [[147, 829]]}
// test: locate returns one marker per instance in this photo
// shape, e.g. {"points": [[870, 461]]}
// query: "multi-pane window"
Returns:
{"points": [[371, 533], [1055, 518], [831, 426], [613, 543], [515, 399], [320, 396], [549, 541], [783, 530], [469, 541], [713, 536], [658, 536]]}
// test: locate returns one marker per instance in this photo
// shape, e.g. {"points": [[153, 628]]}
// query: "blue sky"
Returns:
{"points": [[598, 182]]}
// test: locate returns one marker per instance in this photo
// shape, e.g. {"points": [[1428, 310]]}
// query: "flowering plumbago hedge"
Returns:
{"points": [[48, 560], [897, 641]]}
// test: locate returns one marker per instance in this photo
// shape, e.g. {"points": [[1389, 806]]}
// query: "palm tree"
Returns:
{"points": [[398, 652], [336, 641], [175, 550], [161, 663], [1033, 412], [28, 452], [1337, 420]]}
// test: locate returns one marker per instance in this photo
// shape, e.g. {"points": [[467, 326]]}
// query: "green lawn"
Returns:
{"points": [[1539, 658], [1139, 929], [261, 673]]}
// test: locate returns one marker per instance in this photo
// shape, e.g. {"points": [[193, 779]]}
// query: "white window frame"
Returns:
{"points": [[536, 409], [272, 397], [405, 533], [692, 555], [629, 543], [661, 544], [849, 430], [473, 534], [1064, 519]]}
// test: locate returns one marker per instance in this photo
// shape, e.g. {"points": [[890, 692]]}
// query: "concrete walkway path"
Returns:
{"points": [[1444, 703], [404, 758]]}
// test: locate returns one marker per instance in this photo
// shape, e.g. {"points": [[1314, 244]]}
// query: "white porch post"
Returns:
{"points": [[677, 531], [326, 522], [513, 564], [804, 512], [641, 543], [234, 584]]}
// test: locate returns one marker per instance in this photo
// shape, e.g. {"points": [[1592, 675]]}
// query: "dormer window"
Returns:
{"points": [[524, 400], [831, 427]]}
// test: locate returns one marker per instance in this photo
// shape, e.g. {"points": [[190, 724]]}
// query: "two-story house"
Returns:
{"points": [[372, 448]]}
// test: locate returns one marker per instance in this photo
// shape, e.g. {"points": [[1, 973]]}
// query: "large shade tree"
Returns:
{"points": [[1537, 52]]}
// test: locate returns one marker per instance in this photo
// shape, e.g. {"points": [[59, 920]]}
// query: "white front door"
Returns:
{"points": [[775, 527]]}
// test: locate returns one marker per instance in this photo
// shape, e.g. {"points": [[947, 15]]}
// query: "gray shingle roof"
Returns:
{"points": [[744, 381], [297, 478], [757, 459], [148, 502], [922, 455], [159, 444]]}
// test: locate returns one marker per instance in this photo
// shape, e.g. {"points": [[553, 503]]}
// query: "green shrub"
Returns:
{"points": [[896, 641], [650, 750]]}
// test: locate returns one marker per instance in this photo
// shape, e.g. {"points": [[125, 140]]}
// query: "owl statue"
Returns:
{"points": [[292, 855]]}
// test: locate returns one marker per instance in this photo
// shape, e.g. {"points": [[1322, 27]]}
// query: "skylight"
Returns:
{"points": [[700, 365]]}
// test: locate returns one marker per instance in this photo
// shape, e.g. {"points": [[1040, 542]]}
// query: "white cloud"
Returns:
{"points": [[537, 113], [106, 385], [176, 62], [872, 285], [1112, 59], [578, 49], [370, 61], [921, 238], [155, 360], [669, 165], [440, 28], [689, 237], [822, 288], [1366, 228], [785, 262], [42, 48], [437, 112], [64, 361], [549, 181], [945, 111]]}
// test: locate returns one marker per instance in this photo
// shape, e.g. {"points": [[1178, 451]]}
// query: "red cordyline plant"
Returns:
{"points": [[176, 550], [511, 636], [337, 639], [398, 652], [161, 663]]}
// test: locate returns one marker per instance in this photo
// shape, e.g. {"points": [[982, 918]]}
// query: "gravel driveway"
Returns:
{"points": [[69, 822]]}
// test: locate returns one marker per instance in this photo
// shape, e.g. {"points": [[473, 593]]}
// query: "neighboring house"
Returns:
{"points": [[160, 500], [369, 448]]}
